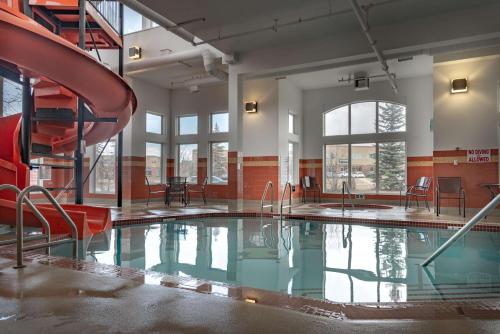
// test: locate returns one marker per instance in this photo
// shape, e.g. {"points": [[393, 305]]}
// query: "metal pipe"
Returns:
{"points": [[27, 109], [119, 144], [81, 110], [366, 30], [32, 207], [160, 19], [269, 185], [289, 206], [275, 27], [474, 220]]}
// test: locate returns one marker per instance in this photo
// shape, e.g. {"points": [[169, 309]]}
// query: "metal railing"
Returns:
{"points": [[19, 241], [289, 206], [110, 11], [269, 185], [345, 189], [465, 229]]}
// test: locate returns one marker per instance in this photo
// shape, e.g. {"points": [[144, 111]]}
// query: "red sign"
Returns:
{"points": [[478, 156]]}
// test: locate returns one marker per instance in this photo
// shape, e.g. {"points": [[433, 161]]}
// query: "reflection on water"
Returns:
{"points": [[342, 263]]}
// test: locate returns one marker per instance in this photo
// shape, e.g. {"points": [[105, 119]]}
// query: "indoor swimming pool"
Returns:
{"points": [[327, 261]]}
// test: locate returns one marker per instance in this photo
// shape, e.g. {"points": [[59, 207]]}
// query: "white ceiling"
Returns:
{"points": [[418, 66], [224, 17]]}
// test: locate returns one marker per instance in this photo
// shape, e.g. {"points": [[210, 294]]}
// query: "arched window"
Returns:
{"points": [[365, 146]]}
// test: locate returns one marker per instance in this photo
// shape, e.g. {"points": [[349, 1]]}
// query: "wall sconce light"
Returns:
{"points": [[459, 86], [135, 52], [251, 106]]}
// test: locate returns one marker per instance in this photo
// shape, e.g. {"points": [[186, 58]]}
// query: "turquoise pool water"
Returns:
{"points": [[335, 262]]}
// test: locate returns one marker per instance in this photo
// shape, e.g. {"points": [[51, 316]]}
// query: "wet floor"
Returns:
{"points": [[45, 299]]}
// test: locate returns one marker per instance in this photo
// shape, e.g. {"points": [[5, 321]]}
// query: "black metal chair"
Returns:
{"points": [[151, 191], [419, 190], [176, 187], [195, 189], [309, 185], [452, 187]]}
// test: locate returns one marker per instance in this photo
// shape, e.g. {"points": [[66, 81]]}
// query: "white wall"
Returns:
{"points": [[415, 93], [260, 130], [466, 120], [149, 98], [210, 99]]}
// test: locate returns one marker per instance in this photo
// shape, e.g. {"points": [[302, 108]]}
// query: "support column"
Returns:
{"points": [[235, 161], [119, 177], [81, 107], [26, 121]]}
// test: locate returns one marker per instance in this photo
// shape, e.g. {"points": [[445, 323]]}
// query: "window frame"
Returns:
{"points": [[178, 125], [211, 130], [178, 161], [210, 161], [93, 186], [162, 125], [376, 137], [162, 163]]}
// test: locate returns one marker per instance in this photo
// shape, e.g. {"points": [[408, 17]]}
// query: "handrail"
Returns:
{"points": [[269, 185], [289, 206], [345, 189], [33, 209], [19, 224], [485, 211]]}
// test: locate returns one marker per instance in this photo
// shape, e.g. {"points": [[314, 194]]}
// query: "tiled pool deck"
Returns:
{"points": [[291, 306]]}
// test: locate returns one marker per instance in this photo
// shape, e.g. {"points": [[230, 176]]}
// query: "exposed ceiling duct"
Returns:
{"points": [[373, 43], [209, 62]]}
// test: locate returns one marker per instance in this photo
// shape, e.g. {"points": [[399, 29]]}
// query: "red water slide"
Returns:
{"points": [[38, 53]]}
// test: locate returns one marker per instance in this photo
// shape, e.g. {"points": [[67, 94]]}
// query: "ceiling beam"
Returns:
{"points": [[373, 43]]}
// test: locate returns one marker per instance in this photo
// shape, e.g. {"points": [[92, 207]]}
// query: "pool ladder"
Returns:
{"points": [[21, 198], [345, 190], [288, 185], [465, 229], [269, 187]]}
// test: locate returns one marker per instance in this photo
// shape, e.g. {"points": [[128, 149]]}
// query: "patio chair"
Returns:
{"points": [[419, 190], [176, 187], [198, 190], [309, 185], [151, 191], [451, 187]]}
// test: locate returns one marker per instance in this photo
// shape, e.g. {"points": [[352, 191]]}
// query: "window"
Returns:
{"points": [[291, 163], [336, 122], [291, 123], [12, 97], [187, 125], [154, 123], [154, 162], [104, 172], [134, 21], [219, 122], [366, 147], [187, 161], [218, 162]]}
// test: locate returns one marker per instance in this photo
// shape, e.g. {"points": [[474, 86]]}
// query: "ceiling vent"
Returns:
{"points": [[361, 82]]}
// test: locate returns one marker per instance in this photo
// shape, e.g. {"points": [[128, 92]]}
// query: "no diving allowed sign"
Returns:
{"points": [[478, 156]]}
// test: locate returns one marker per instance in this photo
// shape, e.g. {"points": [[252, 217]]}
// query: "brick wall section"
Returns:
{"points": [[257, 171]]}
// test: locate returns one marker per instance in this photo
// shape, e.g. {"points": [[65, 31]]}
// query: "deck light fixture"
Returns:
{"points": [[251, 106], [459, 86], [135, 52], [251, 300]]}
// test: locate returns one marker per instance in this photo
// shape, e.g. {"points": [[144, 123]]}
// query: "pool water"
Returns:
{"points": [[334, 262]]}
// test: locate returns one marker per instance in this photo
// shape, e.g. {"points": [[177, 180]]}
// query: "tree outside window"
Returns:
{"points": [[218, 162]]}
